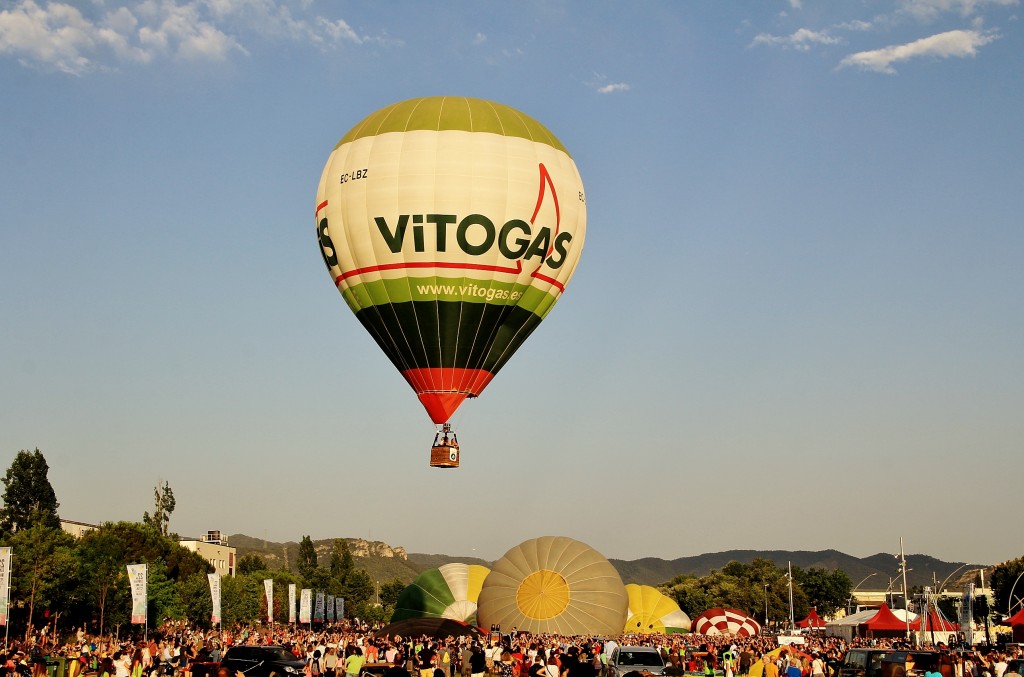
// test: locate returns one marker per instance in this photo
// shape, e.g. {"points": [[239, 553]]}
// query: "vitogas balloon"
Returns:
{"points": [[451, 226]]}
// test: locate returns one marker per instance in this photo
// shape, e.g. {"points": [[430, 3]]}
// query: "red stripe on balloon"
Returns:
{"points": [[429, 264]]}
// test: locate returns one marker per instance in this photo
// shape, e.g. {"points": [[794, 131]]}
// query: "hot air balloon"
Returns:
{"points": [[553, 584], [725, 621], [651, 611], [451, 226], [449, 591]]}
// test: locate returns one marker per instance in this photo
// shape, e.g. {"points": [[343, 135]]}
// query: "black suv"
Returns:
{"points": [[262, 661]]}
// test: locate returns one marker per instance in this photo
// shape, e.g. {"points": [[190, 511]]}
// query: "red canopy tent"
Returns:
{"points": [[813, 620], [1016, 622], [883, 624], [936, 623]]}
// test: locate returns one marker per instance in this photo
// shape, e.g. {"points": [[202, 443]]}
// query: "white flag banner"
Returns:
{"points": [[306, 606], [330, 608], [318, 613], [137, 580], [215, 597], [291, 602], [5, 584], [268, 586], [339, 608]]}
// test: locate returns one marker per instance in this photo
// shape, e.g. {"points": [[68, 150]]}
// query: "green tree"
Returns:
{"points": [[163, 506], [1003, 579], [307, 563], [828, 590], [390, 591], [251, 563], [101, 556], [356, 589], [29, 498], [43, 568]]}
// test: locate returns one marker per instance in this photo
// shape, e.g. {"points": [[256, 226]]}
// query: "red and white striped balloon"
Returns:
{"points": [[725, 622]]}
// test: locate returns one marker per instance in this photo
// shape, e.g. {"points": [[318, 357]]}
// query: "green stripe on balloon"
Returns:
{"points": [[455, 289], [440, 113], [460, 326]]}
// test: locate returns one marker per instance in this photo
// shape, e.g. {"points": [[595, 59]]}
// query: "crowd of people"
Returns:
{"points": [[177, 649]]}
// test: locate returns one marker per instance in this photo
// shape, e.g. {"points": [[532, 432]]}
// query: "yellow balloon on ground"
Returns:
{"points": [[553, 584], [651, 611]]}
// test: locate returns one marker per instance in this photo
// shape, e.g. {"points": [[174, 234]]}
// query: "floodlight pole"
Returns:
{"points": [[906, 598]]}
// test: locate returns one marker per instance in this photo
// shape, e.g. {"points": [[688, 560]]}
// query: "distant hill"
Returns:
{"points": [[378, 559], [385, 563], [921, 568]]}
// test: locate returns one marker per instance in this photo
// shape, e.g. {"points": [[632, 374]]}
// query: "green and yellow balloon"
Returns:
{"points": [[449, 591], [451, 226], [651, 611]]}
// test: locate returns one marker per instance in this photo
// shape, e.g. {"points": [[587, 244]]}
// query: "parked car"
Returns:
{"points": [[262, 661], [641, 658]]}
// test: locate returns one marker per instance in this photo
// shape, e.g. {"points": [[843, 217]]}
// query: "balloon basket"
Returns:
{"points": [[445, 451]]}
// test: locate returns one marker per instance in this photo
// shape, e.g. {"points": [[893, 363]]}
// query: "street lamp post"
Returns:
{"points": [[849, 603]]}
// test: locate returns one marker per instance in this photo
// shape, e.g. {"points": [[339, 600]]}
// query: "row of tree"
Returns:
{"points": [[68, 582], [761, 589]]}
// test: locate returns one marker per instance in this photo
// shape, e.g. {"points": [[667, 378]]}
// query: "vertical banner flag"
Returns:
{"points": [[215, 597], [5, 584], [305, 605], [318, 614], [339, 608], [291, 602], [137, 580], [268, 585], [330, 609]]}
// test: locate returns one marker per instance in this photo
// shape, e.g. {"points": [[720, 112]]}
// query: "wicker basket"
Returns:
{"points": [[444, 456]]}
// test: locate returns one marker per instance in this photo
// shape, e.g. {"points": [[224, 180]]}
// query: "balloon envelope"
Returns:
{"points": [[449, 591], [725, 621], [451, 226], [651, 611], [556, 585]]}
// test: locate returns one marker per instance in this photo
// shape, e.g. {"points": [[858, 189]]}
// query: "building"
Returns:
{"points": [[77, 529], [214, 548]]}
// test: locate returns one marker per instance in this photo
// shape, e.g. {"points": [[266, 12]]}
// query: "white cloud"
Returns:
{"points": [[613, 87], [855, 25], [61, 37], [927, 10], [801, 40], [796, 4], [959, 43]]}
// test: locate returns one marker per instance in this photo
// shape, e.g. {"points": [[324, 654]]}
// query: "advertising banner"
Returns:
{"points": [[137, 580], [291, 602], [329, 616], [5, 584], [339, 608], [306, 606], [318, 613], [268, 586], [215, 597]]}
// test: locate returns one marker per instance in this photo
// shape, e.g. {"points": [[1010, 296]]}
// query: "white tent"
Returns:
{"points": [[846, 627]]}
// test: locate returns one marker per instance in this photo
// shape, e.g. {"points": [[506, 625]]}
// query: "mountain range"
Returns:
{"points": [[386, 563]]}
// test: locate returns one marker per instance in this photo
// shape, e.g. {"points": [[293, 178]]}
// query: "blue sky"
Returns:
{"points": [[797, 322]]}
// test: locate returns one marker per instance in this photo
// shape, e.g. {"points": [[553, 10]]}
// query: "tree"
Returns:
{"points": [[100, 553], [307, 563], [827, 590], [390, 591], [43, 568], [163, 506], [29, 498], [251, 563], [1003, 579]]}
